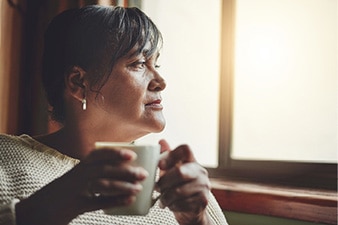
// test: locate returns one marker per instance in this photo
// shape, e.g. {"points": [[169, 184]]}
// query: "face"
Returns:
{"points": [[129, 104]]}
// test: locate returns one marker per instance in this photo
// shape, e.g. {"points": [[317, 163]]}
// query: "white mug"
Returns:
{"points": [[147, 158]]}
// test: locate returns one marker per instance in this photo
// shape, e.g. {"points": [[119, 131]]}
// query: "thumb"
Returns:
{"points": [[164, 146]]}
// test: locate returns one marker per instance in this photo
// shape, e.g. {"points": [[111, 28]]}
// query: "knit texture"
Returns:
{"points": [[27, 165]]}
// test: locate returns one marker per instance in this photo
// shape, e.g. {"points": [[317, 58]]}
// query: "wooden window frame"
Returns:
{"points": [[253, 169], [317, 181]]}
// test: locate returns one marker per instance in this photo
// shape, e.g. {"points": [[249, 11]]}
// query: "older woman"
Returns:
{"points": [[101, 79]]}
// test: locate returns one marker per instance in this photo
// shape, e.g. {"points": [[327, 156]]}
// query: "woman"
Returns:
{"points": [[101, 79]]}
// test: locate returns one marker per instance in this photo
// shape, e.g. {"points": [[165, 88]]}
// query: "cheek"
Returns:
{"points": [[127, 98]]}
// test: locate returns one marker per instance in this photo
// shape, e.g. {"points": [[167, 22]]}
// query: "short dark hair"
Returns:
{"points": [[94, 38]]}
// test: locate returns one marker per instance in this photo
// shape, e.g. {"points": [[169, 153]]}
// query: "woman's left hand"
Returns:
{"points": [[184, 185]]}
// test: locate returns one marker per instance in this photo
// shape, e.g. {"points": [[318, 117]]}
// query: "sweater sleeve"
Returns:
{"points": [[7, 213], [215, 212]]}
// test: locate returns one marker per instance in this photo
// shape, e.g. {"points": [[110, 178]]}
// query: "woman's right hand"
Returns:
{"points": [[104, 179]]}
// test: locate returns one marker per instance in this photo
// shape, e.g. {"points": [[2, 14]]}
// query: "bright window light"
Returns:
{"points": [[190, 65], [285, 105]]}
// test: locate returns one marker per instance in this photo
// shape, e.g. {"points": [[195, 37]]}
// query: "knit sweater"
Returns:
{"points": [[27, 165]]}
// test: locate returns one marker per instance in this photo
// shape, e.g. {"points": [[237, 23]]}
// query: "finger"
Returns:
{"points": [[180, 175], [185, 190], [163, 156], [115, 187], [115, 180], [181, 154], [165, 149], [104, 202], [112, 155], [200, 185], [164, 145], [124, 172]]}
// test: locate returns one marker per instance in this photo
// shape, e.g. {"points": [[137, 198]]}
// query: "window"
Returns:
{"points": [[267, 31], [190, 65], [285, 80], [280, 99]]}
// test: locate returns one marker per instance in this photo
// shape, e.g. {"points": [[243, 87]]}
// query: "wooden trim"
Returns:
{"points": [[226, 80], [11, 24], [305, 204], [311, 175], [298, 173]]}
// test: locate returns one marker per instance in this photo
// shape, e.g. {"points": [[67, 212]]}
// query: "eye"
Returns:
{"points": [[138, 65]]}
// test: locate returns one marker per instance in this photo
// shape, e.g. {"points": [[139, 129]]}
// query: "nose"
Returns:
{"points": [[157, 83]]}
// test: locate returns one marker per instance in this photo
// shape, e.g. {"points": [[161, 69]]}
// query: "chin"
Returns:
{"points": [[158, 126], [159, 130]]}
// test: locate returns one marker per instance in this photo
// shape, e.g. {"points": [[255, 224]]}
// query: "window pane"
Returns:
{"points": [[190, 65], [285, 81]]}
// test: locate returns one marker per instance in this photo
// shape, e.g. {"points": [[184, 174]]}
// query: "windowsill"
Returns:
{"points": [[314, 205]]}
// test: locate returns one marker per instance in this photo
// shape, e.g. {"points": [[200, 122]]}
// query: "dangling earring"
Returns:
{"points": [[84, 104]]}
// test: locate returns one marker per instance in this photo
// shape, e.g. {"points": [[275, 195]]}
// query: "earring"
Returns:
{"points": [[84, 104]]}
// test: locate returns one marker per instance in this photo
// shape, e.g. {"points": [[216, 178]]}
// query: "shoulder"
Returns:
{"points": [[14, 162], [24, 146], [15, 154], [14, 141], [10, 144], [26, 165], [7, 138]]}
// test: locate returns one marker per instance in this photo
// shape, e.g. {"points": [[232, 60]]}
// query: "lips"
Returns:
{"points": [[155, 104]]}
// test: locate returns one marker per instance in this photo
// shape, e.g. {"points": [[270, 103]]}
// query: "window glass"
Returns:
{"points": [[190, 64], [285, 80]]}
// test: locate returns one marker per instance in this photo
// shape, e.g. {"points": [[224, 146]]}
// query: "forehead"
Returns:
{"points": [[147, 51]]}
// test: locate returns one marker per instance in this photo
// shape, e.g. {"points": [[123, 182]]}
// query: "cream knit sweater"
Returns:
{"points": [[27, 165]]}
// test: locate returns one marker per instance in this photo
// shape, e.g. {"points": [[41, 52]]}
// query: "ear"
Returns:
{"points": [[76, 83]]}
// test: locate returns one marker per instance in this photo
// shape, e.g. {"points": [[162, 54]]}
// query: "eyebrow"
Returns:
{"points": [[146, 51]]}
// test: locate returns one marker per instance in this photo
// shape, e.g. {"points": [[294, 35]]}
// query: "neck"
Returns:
{"points": [[68, 143], [79, 142]]}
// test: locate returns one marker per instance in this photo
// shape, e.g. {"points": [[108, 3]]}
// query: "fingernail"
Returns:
{"points": [[138, 187], [129, 200], [141, 173], [133, 188], [187, 172], [127, 154]]}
